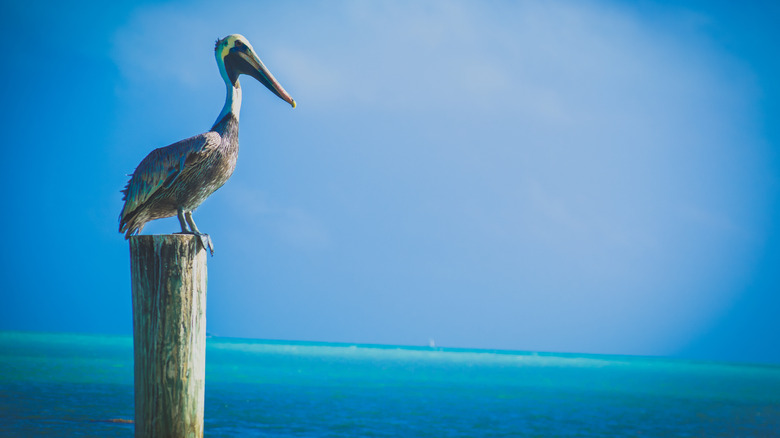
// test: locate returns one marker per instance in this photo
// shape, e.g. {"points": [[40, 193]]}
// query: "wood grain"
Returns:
{"points": [[169, 279]]}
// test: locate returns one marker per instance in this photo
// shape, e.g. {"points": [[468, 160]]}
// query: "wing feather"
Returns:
{"points": [[161, 168]]}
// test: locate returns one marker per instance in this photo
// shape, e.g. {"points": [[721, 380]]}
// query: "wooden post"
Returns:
{"points": [[169, 334]]}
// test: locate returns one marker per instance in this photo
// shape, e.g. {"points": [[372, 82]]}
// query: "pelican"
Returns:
{"points": [[174, 180]]}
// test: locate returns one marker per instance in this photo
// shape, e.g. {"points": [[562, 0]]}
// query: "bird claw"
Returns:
{"points": [[204, 239]]}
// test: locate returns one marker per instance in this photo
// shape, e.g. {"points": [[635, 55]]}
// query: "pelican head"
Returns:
{"points": [[235, 56]]}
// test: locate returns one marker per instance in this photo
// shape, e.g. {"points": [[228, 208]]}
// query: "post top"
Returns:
{"points": [[189, 243]]}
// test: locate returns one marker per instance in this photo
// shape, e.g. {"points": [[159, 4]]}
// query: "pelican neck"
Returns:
{"points": [[232, 103]]}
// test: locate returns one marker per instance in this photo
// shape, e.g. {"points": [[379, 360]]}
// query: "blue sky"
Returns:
{"points": [[595, 177]]}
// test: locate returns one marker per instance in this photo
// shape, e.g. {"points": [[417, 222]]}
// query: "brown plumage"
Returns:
{"points": [[174, 180]]}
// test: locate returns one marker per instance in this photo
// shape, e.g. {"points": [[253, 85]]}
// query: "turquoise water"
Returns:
{"points": [[74, 385]]}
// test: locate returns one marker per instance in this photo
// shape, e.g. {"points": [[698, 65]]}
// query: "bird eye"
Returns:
{"points": [[239, 43]]}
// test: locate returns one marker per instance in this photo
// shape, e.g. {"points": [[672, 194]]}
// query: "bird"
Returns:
{"points": [[174, 180]]}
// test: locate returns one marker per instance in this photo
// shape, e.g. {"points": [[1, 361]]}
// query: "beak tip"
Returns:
{"points": [[292, 102]]}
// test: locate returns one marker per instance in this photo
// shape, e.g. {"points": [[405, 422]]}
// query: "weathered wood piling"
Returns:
{"points": [[169, 277]]}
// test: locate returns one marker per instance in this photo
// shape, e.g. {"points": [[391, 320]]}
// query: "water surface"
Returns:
{"points": [[76, 385]]}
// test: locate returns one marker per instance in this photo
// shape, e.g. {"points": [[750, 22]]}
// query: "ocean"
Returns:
{"points": [[82, 386]]}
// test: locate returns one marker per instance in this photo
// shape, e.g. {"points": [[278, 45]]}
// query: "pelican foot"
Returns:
{"points": [[205, 240]]}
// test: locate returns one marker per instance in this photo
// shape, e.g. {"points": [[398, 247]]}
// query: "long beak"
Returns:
{"points": [[257, 70]]}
